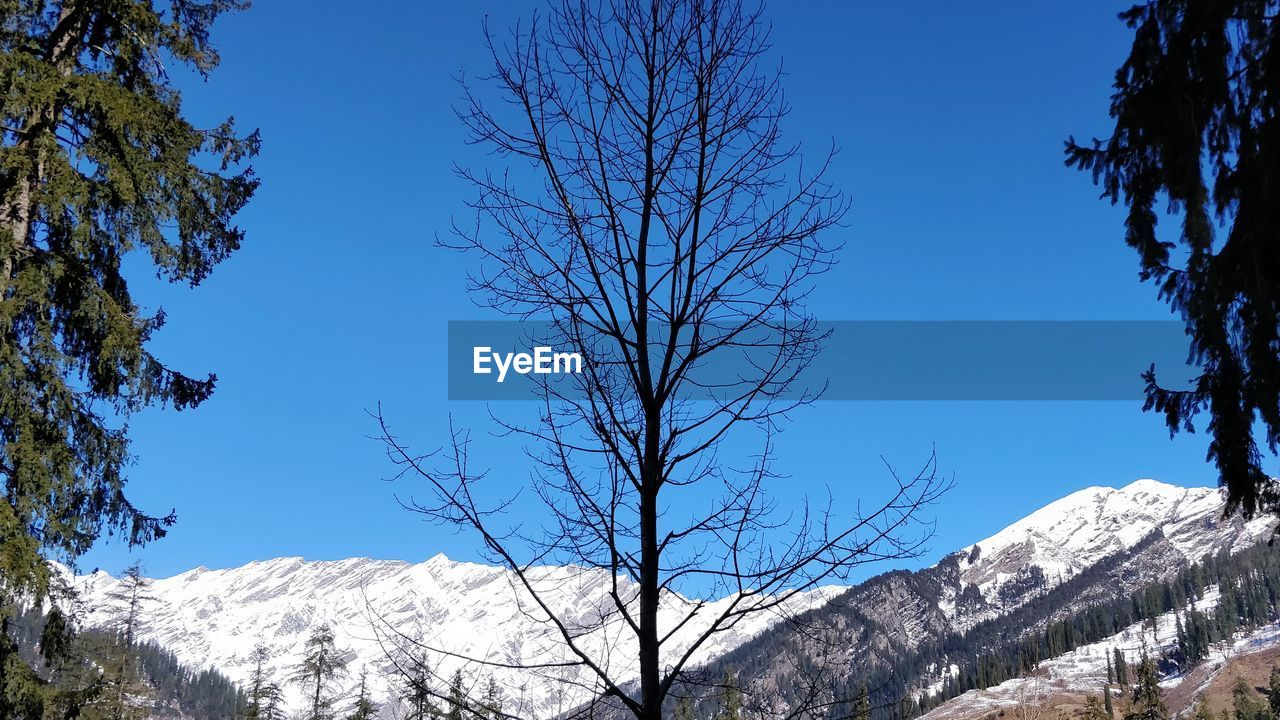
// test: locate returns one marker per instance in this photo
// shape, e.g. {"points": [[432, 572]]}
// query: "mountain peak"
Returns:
{"points": [[1074, 532]]}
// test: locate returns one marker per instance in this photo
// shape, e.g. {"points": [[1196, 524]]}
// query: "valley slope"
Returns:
{"points": [[1086, 547]]}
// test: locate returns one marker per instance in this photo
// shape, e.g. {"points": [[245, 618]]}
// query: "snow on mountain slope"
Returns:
{"points": [[216, 617], [1064, 680], [1073, 533]]}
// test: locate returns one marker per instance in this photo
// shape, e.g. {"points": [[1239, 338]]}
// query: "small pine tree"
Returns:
{"points": [[492, 707], [365, 708], [862, 704], [257, 682], [730, 698], [684, 709], [1273, 691], [1202, 710], [1247, 704], [1106, 702], [457, 698], [1148, 701], [415, 686], [1095, 710], [1122, 670], [320, 667], [126, 693]]}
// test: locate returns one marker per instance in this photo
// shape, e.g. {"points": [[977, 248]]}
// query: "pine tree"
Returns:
{"points": [[730, 698], [1111, 675], [862, 703], [272, 702], [320, 667], [97, 161], [1095, 710], [492, 706], [1247, 704], [1202, 711], [365, 708], [1148, 703], [1122, 670], [259, 685], [124, 685], [415, 686], [1273, 691], [1197, 132], [684, 709], [1106, 702], [457, 698]]}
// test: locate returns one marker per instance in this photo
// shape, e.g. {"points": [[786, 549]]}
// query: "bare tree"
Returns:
{"points": [[658, 224]]}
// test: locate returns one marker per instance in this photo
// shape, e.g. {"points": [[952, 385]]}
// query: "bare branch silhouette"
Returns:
{"points": [[658, 224]]}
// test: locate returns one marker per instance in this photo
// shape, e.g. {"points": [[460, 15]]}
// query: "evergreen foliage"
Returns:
{"points": [[365, 708], [75, 681], [1273, 691], [862, 704], [1148, 703], [97, 162], [1197, 131], [1015, 643], [414, 682], [1247, 704], [320, 668]]}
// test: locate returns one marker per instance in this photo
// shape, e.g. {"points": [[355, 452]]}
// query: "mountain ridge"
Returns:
{"points": [[216, 616]]}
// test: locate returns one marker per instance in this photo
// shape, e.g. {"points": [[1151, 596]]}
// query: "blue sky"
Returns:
{"points": [[951, 118]]}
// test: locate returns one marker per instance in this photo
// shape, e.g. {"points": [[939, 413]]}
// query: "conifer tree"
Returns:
{"points": [[259, 684], [492, 706], [1197, 135], [416, 686], [1148, 702], [320, 667], [1202, 711], [1106, 702], [1273, 691], [457, 698], [1111, 675], [1122, 670], [97, 161], [684, 709], [272, 702], [1095, 710], [1247, 704], [365, 708], [862, 703], [124, 684], [730, 697]]}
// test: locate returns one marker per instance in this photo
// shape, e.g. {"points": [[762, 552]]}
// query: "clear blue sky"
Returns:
{"points": [[951, 116]]}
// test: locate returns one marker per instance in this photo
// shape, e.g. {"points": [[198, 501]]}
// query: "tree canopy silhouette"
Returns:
{"points": [[1197, 133]]}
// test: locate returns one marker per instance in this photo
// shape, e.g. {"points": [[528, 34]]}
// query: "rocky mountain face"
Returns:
{"points": [[1088, 545], [900, 631]]}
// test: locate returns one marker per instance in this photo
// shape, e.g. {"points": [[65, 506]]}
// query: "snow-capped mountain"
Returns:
{"points": [[381, 609], [902, 630], [216, 617], [1069, 535]]}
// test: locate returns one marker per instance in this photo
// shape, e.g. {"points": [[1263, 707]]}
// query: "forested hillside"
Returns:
{"points": [[1241, 590], [102, 674]]}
